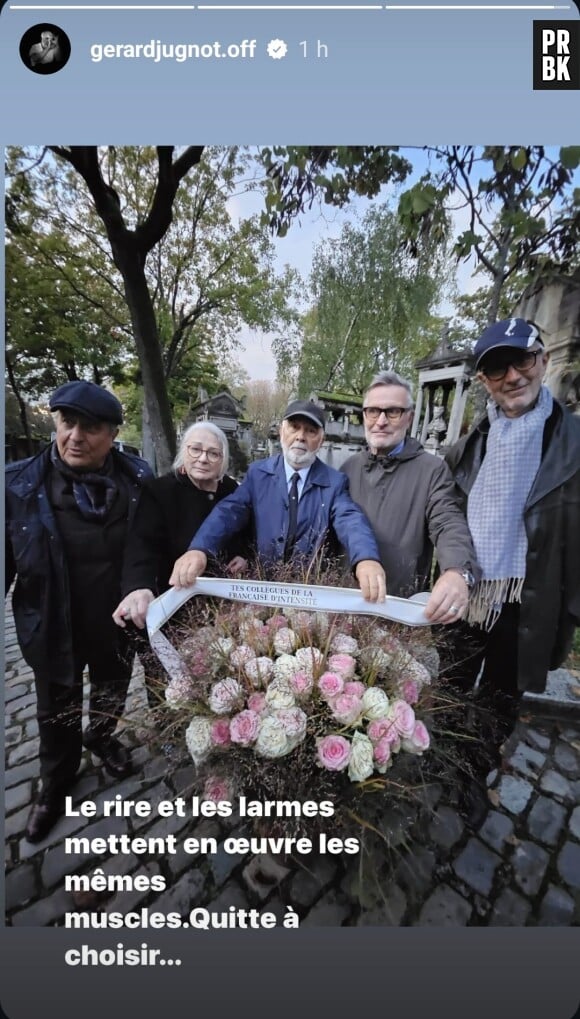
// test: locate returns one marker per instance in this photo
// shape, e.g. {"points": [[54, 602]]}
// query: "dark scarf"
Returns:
{"points": [[94, 491]]}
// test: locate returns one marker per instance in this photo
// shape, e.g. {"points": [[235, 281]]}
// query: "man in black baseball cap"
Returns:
{"points": [[297, 505], [68, 512], [305, 409]]}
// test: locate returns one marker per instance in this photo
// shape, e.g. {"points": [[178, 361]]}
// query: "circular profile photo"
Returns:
{"points": [[45, 49]]}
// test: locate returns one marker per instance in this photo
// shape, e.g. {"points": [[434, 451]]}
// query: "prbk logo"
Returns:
{"points": [[556, 54]]}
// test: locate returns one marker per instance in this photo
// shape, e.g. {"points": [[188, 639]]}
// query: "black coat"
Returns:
{"points": [[170, 512], [35, 555], [550, 607]]}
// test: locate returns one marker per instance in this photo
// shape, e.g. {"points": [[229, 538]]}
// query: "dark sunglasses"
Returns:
{"points": [[522, 361]]}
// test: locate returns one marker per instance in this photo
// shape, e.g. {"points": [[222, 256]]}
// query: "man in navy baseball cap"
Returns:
{"points": [[89, 399], [511, 333], [517, 475]]}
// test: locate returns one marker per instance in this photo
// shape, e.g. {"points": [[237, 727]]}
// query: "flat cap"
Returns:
{"points": [[89, 399], [510, 332], [305, 409]]}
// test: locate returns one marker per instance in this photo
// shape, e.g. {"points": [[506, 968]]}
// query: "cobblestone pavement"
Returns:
{"points": [[521, 867]]}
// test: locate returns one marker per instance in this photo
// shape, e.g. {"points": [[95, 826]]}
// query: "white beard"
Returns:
{"points": [[298, 458]]}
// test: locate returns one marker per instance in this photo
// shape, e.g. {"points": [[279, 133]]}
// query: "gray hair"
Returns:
{"points": [[389, 378], [189, 434]]}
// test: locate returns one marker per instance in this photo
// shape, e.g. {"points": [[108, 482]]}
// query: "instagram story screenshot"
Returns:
{"points": [[291, 337]]}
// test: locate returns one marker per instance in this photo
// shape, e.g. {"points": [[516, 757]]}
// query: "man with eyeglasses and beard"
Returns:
{"points": [[408, 496], [297, 506], [517, 473]]}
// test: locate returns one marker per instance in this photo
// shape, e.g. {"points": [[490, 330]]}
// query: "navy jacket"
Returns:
{"points": [[325, 512], [34, 553]]}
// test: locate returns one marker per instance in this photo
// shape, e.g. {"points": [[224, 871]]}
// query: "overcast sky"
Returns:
{"points": [[324, 223]]}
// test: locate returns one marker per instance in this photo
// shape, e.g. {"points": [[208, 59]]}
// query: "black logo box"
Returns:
{"points": [[557, 55]]}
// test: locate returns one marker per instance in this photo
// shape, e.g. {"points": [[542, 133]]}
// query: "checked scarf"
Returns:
{"points": [[495, 507], [94, 491]]}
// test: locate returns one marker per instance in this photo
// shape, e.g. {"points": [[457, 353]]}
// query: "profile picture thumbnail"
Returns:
{"points": [[44, 49]]}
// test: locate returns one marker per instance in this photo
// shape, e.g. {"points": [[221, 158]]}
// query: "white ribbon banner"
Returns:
{"points": [[409, 611]]}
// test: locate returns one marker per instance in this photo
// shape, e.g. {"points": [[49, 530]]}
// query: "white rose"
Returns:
{"points": [[322, 623], [294, 721], [223, 645], [300, 619], [360, 764], [285, 666], [420, 673], [272, 740], [178, 692], [308, 658], [279, 695], [259, 670], [285, 641], [198, 738], [241, 654], [376, 659], [225, 695], [342, 644], [375, 703]]}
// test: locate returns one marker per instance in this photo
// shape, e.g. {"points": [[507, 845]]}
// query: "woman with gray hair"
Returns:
{"points": [[170, 511]]}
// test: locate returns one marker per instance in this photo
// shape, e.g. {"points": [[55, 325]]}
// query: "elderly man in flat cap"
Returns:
{"points": [[67, 513], [296, 505], [518, 475]]}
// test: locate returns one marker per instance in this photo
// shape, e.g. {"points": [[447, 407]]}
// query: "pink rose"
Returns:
{"points": [[402, 716], [344, 664], [220, 732], [333, 752], [257, 702], [382, 728], [382, 751], [300, 683], [276, 622], [244, 727], [217, 789], [355, 687], [346, 708], [409, 691], [419, 740], [330, 684]]}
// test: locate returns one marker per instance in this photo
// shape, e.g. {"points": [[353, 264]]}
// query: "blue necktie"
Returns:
{"points": [[292, 516]]}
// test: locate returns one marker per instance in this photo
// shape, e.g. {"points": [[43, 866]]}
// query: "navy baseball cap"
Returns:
{"points": [[510, 332], [89, 399], [305, 409]]}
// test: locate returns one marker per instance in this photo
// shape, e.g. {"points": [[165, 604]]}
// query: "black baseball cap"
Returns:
{"points": [[305, 409]]}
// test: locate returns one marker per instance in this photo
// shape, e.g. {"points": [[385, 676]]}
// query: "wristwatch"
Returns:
{"points": [[466, 574], [468, 578]]}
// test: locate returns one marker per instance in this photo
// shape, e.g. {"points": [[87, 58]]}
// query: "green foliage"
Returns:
{"points": [[519, 200], [299, 176], [130, 285], [372, 307]]}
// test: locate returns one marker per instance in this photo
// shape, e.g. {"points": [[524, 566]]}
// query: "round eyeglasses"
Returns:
{"points": [[373, 414], [196, 452], [523, 361]]}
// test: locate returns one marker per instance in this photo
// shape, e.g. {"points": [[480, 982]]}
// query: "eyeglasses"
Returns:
{"points": [[373, 414], [523, 361], [213, 455]]}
